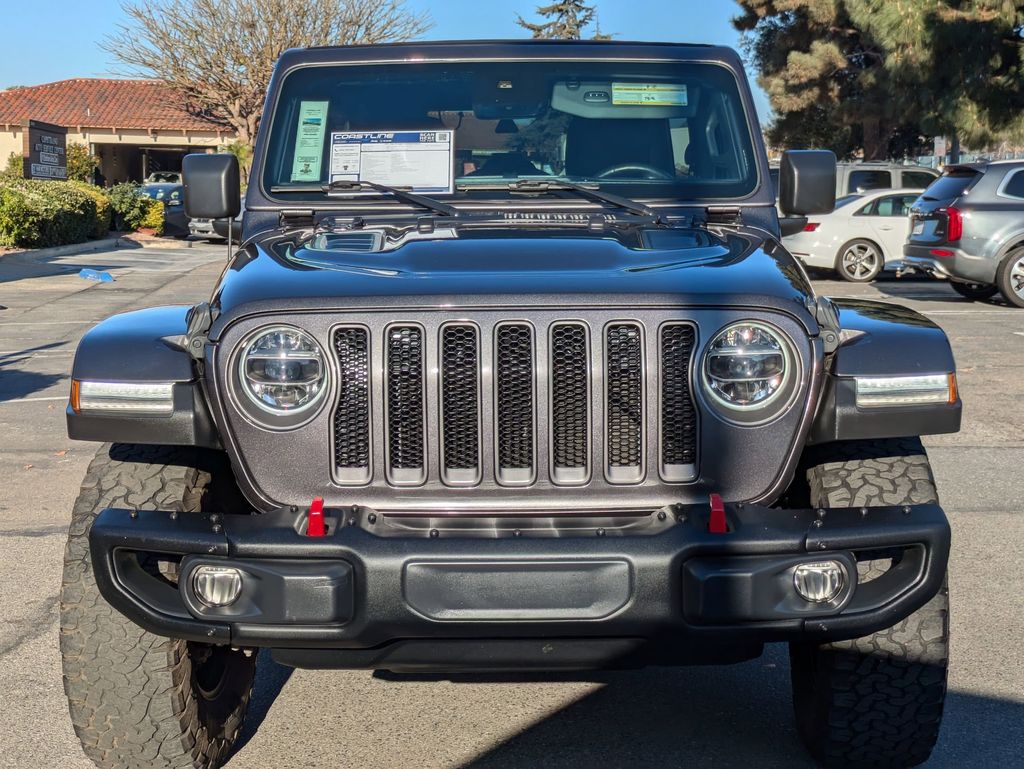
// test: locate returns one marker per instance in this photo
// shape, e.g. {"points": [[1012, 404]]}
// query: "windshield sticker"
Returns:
{"points": [[649, 94], [420, 161], [309, 141]]}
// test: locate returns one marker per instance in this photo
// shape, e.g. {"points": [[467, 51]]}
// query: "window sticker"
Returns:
{"points": [[650, 94], [420, 161], [309, 141]]}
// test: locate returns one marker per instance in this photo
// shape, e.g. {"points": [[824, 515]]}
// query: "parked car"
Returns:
{"points": [[968, 227], [863, 236], [172, 196], [516, 420], [855, 178], [202, 228]]}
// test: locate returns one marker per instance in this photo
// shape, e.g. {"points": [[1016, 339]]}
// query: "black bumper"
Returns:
{"points": [[395, 593]]}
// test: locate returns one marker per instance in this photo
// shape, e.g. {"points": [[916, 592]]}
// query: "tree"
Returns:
{"points": [[219, 54], [878, 77], [81, 163], [567, 19]]}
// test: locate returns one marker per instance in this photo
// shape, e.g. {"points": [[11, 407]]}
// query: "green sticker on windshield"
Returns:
{"points": [[309, 141], [650, 94]]}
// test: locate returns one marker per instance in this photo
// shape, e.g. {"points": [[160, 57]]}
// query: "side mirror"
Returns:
{"points": [[212, 186], [807, 182]]}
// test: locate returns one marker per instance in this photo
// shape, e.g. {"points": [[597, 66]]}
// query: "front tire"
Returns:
{"points": [[1010, 278], [137, 699], [859, 261], [874, 701]]}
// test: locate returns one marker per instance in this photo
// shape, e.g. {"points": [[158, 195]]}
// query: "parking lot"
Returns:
{"points": [[736, 716]]}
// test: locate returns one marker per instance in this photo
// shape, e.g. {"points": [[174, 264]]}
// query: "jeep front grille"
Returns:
{"points": [[516, 403]]}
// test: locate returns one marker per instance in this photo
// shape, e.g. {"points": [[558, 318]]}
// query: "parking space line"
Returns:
{"points": [[34, 400]]}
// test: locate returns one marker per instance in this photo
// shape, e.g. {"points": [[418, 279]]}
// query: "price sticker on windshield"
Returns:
{"points": [[420, 161], [649, 94]]}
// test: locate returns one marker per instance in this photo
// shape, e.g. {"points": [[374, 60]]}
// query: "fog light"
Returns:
{"points": [[819, 582], [217, 585]]}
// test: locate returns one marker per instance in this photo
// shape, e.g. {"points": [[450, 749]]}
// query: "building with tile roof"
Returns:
{"points": [[136, 127]]}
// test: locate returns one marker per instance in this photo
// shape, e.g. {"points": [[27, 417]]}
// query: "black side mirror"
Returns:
{"points": [[212, 186], [807, 182]]}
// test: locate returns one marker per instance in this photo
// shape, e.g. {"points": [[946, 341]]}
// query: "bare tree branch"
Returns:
{"points": [[218, 55]]}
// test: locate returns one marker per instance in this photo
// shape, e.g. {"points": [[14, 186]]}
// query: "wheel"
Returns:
{"points": [[977, 291], [137, 699], [1010, 278], [874, 701], [859, 261]]}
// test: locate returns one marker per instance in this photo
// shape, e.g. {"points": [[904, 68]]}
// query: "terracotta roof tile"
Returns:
{"points": [[101, 103]]}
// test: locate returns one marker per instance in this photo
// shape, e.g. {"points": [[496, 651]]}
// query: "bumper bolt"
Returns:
{"points": [[352, 521], [133, 514], [174, 515], [681, 518], [821, 513], [661, 515], [216, 528], [600, 532], [906, 509], [434, 533], [214, 518], [517, 533], [819, 523], [863, 511], [293, 509], [372, 518], [822, 546]]}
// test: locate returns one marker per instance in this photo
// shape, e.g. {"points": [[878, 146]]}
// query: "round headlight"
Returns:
{"points": [[746, 366], [282, 371]]}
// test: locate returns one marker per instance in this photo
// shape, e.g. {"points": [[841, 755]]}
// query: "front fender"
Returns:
{"points": [[882, 339], [144, 346]]}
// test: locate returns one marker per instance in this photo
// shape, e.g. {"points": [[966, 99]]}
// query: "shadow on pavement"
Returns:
{"points": [[270, 680], [17, 383]]}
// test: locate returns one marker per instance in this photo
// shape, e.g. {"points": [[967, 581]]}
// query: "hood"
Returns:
{"points": [[686, 267]]}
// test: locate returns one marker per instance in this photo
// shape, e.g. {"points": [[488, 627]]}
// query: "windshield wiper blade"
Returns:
{"points": [[590, 191], [346, 185]]}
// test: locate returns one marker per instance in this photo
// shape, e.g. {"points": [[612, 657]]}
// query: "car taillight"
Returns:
{"points": [[954, 224], [811, 226]]}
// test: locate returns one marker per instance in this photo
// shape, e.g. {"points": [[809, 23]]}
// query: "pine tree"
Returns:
{"points": [[877, 76], [567, 19]]}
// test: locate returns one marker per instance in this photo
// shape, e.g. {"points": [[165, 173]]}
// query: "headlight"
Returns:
{"points": [[282, 371], [747, 366]]}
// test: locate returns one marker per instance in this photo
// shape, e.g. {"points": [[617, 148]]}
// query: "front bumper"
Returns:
{"points": [[415, 593]]}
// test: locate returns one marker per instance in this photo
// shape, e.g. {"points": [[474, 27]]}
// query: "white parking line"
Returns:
{"points": [[34, 400], [47, 322]]}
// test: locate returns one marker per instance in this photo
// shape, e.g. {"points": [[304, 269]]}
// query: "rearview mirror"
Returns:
{"points": [[807, 182], [212, 187]]}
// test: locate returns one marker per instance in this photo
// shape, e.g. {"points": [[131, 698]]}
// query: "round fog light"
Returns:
{"points": [[820, 581], [217, 586]]}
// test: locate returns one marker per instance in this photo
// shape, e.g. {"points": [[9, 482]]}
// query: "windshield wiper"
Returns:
{"points": [[589, 191], [438, 207]]}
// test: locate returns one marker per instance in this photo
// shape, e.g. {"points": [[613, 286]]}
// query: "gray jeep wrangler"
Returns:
{"points": [[509, 372]]}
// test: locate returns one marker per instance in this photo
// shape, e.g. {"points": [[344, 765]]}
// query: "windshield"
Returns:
{"points": [[649, 130]]}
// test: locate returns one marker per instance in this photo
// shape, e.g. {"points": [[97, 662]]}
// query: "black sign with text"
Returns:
{"points": [[45, 151]]}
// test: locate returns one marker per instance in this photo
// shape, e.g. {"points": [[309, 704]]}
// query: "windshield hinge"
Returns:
{"points": [[297, 218], [723, 215], [199, 319]]}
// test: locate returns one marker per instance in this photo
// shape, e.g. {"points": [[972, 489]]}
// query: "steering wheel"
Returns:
{"points": [[652, 171]]}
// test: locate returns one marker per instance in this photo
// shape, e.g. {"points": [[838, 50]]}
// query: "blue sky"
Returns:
{"points": [[66, 44]]}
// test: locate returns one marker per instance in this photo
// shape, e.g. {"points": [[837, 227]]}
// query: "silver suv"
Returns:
{"points": [[855, 178], [968, 227]]}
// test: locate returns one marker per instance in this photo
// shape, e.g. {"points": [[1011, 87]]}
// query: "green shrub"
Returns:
{"points": [[103, 208], [154, 218], [129, 206], [81, 163], [35, 213], [15, 168]]}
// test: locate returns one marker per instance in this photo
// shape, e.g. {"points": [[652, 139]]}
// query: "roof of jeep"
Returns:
{"points": [[496, 50]]}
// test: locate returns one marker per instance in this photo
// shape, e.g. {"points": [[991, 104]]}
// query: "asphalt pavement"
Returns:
{"points": [[738, 716]]}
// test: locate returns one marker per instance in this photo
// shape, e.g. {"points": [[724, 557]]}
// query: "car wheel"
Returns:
{"points": [[977, 291], [874, 701], [859, 261], [137, 699], [1010, 278]]}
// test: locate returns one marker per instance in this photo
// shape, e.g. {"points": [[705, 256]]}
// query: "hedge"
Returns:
{"points": [[104, 211], [154, 217], [36, 213]]}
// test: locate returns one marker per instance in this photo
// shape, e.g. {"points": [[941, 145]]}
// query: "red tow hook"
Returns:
{"points": [[716, 521], [315, 528]]}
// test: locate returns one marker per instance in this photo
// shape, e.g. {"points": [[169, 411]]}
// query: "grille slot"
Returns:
{"points": [[404, 401], [624, 403], [514, 396], [678, 422], [570, 403], [460, 404], [352, 415]]}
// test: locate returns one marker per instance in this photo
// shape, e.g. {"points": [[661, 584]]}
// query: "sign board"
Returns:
{"points": [[420, 161], [45, 151]]}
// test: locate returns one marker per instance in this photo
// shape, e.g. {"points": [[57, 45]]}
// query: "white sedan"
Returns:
{"points": [[861, 237]]}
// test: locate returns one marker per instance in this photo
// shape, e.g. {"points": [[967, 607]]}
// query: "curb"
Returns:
{"points": [[103, 244]]}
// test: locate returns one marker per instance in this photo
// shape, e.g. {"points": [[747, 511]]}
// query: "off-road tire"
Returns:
{"points": [[136, 699], [874, 701], [975, 291], [1007, 275]]}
